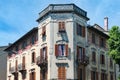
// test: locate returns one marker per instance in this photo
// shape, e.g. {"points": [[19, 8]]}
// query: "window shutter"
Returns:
{"points": [[40, 53], [41, 78], [30, 76], [56, 50], [59, 24], [23, 62], [101, 59], [34, 75], [46, 75], [91, 75], [34, 57], [66, 46], [63, 25], [83, 31], [78, 52], [16, 65], [97, 76], [77, 29], [83, 55], [46, 52]]}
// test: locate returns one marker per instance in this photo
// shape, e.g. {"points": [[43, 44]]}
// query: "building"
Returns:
{"points": [[63, 46], [3, 63], [117, 71]]}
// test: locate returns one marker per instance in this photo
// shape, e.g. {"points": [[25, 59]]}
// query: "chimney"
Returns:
{"points": [[106, 23]]}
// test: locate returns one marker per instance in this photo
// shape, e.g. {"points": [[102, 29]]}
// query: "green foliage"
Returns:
{"points": [[114, 44]]}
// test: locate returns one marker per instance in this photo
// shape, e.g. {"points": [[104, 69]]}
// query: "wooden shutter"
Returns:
{"points": [[78, 54], [56, 50], [61, 73], [97, 76], [66, 46], [83, 31], [83, 54], [16, 65], [63, 25], [91, 75], [30, 76], [59, 26], [46, 75], [46, 52], [23, 62], [34, 74], [41, 50], [34, 57], [41, 77]]}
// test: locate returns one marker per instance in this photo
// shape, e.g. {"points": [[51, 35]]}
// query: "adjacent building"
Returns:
{"points": [[3, 63], [62, 47]]}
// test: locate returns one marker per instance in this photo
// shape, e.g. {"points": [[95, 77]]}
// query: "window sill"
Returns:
{"points": [[61, 57]]}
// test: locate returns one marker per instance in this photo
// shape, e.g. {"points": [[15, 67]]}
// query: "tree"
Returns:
{"points": [[114, 44]]}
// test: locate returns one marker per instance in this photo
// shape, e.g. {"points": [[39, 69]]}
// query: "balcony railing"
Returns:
{"points": [[41, 61], [21, 67], [83, 60]]}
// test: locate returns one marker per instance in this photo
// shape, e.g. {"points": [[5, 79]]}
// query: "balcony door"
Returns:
{"points": [[81, 73]]}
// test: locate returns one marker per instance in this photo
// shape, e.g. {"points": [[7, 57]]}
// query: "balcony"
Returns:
{"points": [[41, 61], [84, 60], [21, 67]]}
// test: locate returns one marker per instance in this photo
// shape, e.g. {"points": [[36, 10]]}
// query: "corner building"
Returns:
{"points": [[59, 48]]}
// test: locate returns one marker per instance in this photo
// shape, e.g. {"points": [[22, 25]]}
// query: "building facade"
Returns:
{"points": [[62, 47], [3, 63]]}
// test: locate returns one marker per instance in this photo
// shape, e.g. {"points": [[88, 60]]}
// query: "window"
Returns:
{"points": [[103, 76], [81, 75], [24, 44], [61, 73], [61, 26], [93, 56], [80, 53], [33, 57], [111, 63], [80, 30], [94, 75], [43, 53], [43, 31], [43, 74], [16, 48], [93, 37], [61, 50], [102, 59], [33, 76], [102, 42], [111, 76], [33, 40]]}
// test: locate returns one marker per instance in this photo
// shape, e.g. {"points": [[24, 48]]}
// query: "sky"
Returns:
{"points": [[17, 17]]}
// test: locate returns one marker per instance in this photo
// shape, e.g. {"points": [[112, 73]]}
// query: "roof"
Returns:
{"points": [[23, 37], [2, 48], [99, 30], [62, 8]]}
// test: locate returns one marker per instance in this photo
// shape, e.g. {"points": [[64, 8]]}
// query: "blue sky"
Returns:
{"points": [[19, 16]]}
